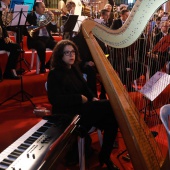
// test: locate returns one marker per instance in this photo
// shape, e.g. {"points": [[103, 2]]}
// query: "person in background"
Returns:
{"points": [[123, 7], [119, 22], [120, 56], [70, 6], [8, 45], [105, 14], [69, 94], [160, 12], [42, 38], [156, 27], [111, 16]]}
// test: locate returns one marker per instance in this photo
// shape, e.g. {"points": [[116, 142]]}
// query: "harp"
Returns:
{"points": [[143, 149]]}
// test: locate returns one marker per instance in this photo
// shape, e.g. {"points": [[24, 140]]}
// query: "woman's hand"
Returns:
{"points": [[90, 63], [84, 99], [8, 40], [95, 99]]}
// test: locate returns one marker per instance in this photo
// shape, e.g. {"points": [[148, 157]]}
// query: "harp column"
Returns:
{"points": [[166, 6]]}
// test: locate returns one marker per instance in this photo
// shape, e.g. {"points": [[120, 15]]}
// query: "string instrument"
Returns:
{"points": [[144, 151]]}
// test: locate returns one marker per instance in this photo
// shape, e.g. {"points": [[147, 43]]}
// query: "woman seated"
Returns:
{"points": [[69, 94]]}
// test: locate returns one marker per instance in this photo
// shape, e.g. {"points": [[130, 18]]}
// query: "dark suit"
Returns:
{"points": [[40, 43], [116, 24], [120, 55], [13, 48], [65, 87]]}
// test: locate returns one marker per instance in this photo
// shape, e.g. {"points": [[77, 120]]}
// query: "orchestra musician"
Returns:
{"points": [[78, 6], [105, 14], [8, 45], [119, 53], [111, 16], [41, 38], [119, 22], [70, 6], [69, 94]]}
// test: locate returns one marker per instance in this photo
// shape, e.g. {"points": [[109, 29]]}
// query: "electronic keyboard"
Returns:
{"points": [[32, 148]]}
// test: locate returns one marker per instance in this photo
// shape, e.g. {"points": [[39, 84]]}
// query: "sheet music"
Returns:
{"points": [[78, 23], [16, 15], [156, 84]]}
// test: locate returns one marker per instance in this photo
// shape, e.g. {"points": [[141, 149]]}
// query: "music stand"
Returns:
{"points": [[69, 25], [19, 18]]}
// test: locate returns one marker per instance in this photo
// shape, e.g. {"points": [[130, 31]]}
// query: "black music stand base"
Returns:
{"points": [[25, 62], [23, 94], [150, 108]]}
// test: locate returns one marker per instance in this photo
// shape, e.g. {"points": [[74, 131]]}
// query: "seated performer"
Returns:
{"points": [[105, 14], [70, 11], [42, 38], [8, 45], [69, 94], [119, 22], [111, 17], [70, 6]]}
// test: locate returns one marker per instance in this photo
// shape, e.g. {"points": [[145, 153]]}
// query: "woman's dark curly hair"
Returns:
{"points": [[58, 52]]}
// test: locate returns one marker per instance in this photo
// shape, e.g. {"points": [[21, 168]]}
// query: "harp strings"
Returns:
{"points": [[140, 58], [136, 130]]}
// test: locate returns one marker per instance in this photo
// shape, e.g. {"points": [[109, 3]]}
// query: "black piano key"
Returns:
{"points": [[18, 151], [27, 141], [36, 134], [2, 168], [32, 138], [42, 129], [23, 146], [15, 153], [48, 124], [7, 160], [5, 163], [12, 156]]}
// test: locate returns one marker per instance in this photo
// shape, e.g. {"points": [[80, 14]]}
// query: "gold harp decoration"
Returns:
{"points": [[144, 151]]}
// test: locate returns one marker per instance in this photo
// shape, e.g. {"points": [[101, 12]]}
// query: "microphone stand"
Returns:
{"points": [[22, 92]]}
